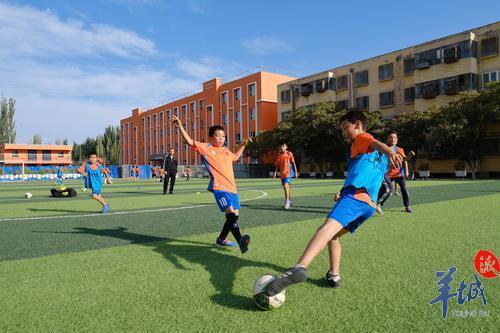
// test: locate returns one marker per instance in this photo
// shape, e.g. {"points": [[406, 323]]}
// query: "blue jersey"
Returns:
{"points": [[93, 179], [366, 171]]}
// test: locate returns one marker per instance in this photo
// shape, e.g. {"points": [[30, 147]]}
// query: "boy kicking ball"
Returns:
{"points": [[219, 163], [367, 163]]}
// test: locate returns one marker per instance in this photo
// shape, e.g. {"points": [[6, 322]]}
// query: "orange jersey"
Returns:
{"points": [[361, 145], [219, 162], [94, 166], [283, 163], [395, 172]]}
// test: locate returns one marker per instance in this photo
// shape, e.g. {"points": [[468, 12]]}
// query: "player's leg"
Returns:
{"points": [[165, 182], [335, 252], [404, 191], [172, 182]]}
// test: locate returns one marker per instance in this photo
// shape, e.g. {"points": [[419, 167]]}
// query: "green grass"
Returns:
{"points": [[146, 268]]}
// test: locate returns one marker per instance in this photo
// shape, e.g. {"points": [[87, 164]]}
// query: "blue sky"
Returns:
{"points": [[75, 67]]}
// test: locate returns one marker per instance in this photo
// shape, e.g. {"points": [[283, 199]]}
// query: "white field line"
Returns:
{"points": [[56, 217]]}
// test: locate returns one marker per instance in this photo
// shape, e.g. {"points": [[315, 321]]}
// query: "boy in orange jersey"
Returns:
{"points": [[92, 172], [219, 162], [284, 162]]}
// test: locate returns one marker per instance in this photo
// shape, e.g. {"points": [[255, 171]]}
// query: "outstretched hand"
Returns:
{"points": [[247, 141], [396, 160], [176, 121]]}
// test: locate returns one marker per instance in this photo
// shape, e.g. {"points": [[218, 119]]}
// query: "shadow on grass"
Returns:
{"points": [[292, 209], [221, 264]]}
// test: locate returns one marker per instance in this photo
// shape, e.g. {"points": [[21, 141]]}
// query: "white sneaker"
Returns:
{"points": [[287, 204], [378, 209]]}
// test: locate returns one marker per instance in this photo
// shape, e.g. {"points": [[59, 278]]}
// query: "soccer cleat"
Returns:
{"points": [[379, 210], [243, 243], [292, 275], [105, 209], [332, 280], [224, 243], [408, 210], [287, 204], [396, 193]]}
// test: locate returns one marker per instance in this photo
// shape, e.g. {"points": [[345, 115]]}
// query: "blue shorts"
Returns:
{"points": [[351, 213], [226, 199], [286, 180]]}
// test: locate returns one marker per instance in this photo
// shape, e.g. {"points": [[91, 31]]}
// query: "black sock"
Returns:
{"points": [[225, 230], [235, 228]]}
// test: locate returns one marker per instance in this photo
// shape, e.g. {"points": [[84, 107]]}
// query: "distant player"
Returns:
{"points": [[219, 162], [367, 164], [284, 163], [92, 171], [188, 172], [398, 175]]}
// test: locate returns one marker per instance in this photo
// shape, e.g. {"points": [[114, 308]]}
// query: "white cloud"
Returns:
{"points": [[26, 31], [266, 46], [209, 67]]}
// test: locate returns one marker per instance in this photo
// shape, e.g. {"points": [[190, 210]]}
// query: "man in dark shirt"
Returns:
{"points": [[170, 167]]}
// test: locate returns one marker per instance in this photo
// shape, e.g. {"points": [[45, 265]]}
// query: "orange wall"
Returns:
{"points": [[264, 102], [22, 156]]}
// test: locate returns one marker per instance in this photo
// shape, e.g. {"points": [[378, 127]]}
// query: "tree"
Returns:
{"points": [[3, 120], [7, 123], [111, 141], [99, 147], [413, 130], [461, 126], [313, 132], [58, 141], [65, 142], [37, 139]]}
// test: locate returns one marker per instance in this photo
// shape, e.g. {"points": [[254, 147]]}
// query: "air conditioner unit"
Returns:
{"points": [[423, 64], [451, 87], [451, 54], [306, 89]]}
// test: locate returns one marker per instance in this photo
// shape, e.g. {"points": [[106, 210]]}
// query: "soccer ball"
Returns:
{"points": [[263, 301], [27, 195]]}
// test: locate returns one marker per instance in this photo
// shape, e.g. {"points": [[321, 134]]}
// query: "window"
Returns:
{"points": [[410, 95], [333, 83], [489, 46], [237, 94], [168, 114], [209, 108], [202, 124], [32, 155], [409, 66], [60, 154], [176, 112], [226, 119], [15, 153], [427, 58], [224, 98], [252, 113], [237, 137], [285, 115], [237, 116], [192, 106], [430, 90], [362, 103], [386, 98], [306, 89], [321, 85], [342, 82], [490, 77], [202, 104], [342, 105], [451, 86], [385, 72], [252, 134], [251, 89], [285, 96], [361, 78], [184, 108], [467, 82]]}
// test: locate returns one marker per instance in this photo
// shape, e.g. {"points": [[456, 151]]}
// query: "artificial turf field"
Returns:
{"points": [[151, 264]]}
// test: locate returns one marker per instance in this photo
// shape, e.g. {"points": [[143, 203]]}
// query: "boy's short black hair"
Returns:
{"points": [[92, 153], [392, 132], [353, 116], [213, 129]]}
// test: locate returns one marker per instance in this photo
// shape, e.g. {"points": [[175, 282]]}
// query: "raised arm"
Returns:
{"points": [[176, 122], [394, 159], [240, 150]]}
